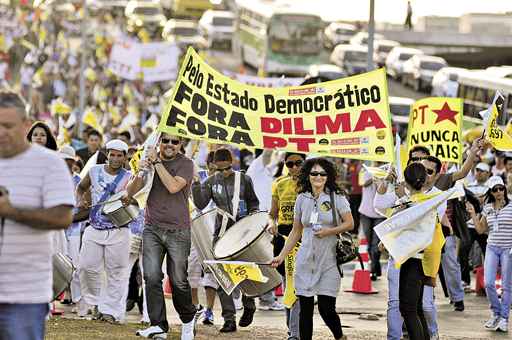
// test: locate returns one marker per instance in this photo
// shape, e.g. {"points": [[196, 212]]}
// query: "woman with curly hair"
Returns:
{"points": [[315, 267], [41, 134]]}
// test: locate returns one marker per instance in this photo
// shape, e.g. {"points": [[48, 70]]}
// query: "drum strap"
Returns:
{"points": [[234, 203], [109, 190]]}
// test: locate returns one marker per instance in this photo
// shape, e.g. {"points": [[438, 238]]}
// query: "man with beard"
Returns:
{"points": [[166, 232], [105, 247]]}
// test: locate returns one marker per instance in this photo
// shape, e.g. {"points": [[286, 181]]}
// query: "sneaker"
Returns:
{"points": [[188, 330], [95, 313], [277, 306], [229, 327], [502, 326], [246, 318], [492, 323], [199, 311], [238, 302], [434, 337], [109, 318], [458, 306], [373, 277], [208, 317], [151, 332]]}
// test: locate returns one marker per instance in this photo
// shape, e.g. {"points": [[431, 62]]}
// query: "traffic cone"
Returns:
{"points": [[480, 282], [55, 311], [167, 288], [279, 290], [362, 283], [363, 249]]}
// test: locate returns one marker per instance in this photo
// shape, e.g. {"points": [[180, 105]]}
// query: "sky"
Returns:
{"points": [[394, 10]]}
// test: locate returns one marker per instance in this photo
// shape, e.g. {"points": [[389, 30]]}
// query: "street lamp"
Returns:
{"points": [[371, 33]]}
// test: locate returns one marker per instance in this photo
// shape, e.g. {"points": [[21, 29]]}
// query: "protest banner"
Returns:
{"points": [[499, 139], [436, 123], [239, 271], [157, 61], [264, 82], [342, 118]]}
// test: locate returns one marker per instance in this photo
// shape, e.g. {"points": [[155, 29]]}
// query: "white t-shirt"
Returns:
{"points": [[262, 177], [368, 195], [36, 179]]}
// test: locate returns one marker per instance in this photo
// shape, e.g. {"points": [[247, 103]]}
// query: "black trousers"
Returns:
{"points": [[279, 241], [327, 309], [410, 297], [465, 249]]}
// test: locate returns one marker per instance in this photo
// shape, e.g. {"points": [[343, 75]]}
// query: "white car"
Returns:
{"points": [[107, 5], [184, 33], [419, 70], [353, 59], [338, 33], [396, 59], [445, 82], [217, 28], [382, 49], [361, 38], [504, 71], [144, 14], [400, 108]]}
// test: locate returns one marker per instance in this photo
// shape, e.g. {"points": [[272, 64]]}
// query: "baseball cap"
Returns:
{"points": [[483, 166], [67, 152], [117, 144], [494, 181]]}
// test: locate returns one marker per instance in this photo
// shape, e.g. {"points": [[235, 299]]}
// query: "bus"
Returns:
{"points": [[277, 38], [190, 8], [478, 88]]}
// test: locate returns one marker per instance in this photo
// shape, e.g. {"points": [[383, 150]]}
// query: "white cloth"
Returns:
{"points": [[262, 177], [105, 252], [133, 257], [36, 179], [73, 244], [368, 195]]}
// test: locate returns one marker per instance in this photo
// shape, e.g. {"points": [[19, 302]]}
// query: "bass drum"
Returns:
{"points": [[62, 273], [247, 240]]}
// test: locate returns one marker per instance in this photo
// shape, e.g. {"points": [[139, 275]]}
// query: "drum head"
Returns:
{"points": [[241, 235], [112, 206]]}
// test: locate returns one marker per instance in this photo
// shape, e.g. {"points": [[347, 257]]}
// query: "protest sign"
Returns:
{"points": [[499, 139], [436, 123], [342, 118], [157, 61], [239, 271]]}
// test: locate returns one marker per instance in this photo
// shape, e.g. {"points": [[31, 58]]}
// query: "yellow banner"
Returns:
{"points": [[342, 118], [289, 269], [499, 139], [436, 123], [134, 162], [246, 271]]}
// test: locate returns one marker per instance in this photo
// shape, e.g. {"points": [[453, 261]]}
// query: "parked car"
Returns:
{"points": [[217, 28], [396, 58], [361, 38], [445, 82], [353, 59], [144, 14], [400, 108], [106, 5], [504, 71], [184, 33], [419, 70], [325, 72], [382, 49], [338, 33]]}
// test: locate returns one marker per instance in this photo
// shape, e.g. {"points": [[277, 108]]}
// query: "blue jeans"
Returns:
{"points": [[451, 270], [496, 256], [23, 321], [158, 242]]}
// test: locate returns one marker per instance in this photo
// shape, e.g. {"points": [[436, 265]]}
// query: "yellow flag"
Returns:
{"points": [[289, 269], [134, 162], [240, 271], [90, 118], [59, 107], [499, 139], [3, 45]]}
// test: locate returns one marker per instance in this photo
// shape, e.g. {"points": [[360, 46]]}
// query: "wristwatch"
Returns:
{"points": [[156, 162]]}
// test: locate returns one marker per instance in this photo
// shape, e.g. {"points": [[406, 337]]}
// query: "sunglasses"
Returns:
{"points": [[224, 169], [416, 159], [430, 172], [316, 174], [290, 164], [168, 140], [498, 188]]}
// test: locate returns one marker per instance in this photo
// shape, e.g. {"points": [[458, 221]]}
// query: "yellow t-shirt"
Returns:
{"points": [[284, 191]]}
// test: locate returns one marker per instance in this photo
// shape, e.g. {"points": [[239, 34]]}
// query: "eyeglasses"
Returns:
{"points": [[290, 164], [224, 169], [416, 159], [316, 173], [498, 188], [430, 172], [168, 140]]}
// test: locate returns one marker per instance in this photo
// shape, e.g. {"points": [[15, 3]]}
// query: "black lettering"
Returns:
{"points": [[183, 92], [172, 119], [216, 132], [269, 103], [455, 137], [209, 85], [348, 94], [318, 101], [199, 104], [308, 104], [436, 135], [294, 106], [216, 113], [237, 120], [190, 63], [375, 93], [235, 100], [253, 104], [240, 137], [218, 92], [195, 126], [365, 96]]}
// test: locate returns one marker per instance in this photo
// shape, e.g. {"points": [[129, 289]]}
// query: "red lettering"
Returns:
{"points": [[299, 127], [287, 126], [369, 118], [324, 123], [270, 125], [270, 142], [415, 114], [302, 143]]}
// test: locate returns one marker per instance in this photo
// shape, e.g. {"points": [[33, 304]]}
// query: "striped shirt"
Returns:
{"points": [[36, 179], [500, 225]]}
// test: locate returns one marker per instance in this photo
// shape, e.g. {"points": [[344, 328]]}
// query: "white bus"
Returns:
{"points": [[477, 88], [277, 37]]}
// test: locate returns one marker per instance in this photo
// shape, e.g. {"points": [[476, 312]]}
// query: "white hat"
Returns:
{"points": [[117, 144], [494, 181], [483, 166], [67, 152]]}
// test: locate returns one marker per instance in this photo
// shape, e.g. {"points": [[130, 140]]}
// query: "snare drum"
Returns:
{"points": [[119, 214], [247, 240]]}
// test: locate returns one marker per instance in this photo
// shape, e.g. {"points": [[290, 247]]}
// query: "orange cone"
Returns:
{"points": [[167, 288], [54, 311], [362, 284]]}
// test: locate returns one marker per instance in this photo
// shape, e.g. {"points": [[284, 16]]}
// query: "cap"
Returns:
{"points": [[483, 166], [67, 152], [494, 181], [117, 144]]}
